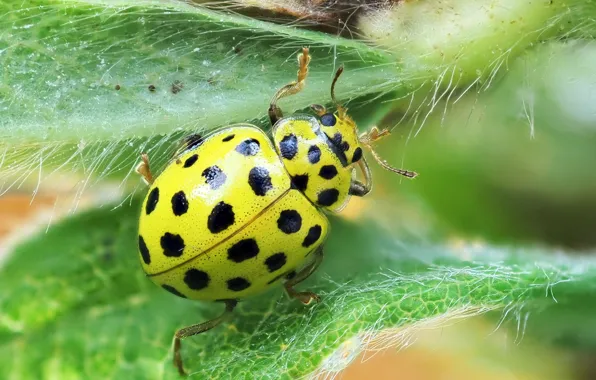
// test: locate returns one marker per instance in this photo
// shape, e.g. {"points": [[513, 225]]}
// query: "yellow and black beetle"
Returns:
{"points": [[237, 211]]}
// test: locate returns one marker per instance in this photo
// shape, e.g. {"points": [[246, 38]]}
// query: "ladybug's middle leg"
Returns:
{"points": [[374, 135], [359, 188], [305, 297]]}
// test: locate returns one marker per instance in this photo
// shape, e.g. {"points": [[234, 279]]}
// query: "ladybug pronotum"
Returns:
{"points": [[238, 211]]}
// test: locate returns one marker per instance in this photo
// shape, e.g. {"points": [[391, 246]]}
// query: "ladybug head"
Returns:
{"points": [[341, 129]]}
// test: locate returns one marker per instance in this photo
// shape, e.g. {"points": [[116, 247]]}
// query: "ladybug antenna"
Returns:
{"points": [[340, 109], [367, 139]]}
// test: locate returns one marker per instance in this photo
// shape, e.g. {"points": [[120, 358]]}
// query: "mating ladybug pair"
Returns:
{"points": [[237, 211]]}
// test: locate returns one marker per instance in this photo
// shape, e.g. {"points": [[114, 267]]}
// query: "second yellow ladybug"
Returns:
{"points": [[235, 212]]}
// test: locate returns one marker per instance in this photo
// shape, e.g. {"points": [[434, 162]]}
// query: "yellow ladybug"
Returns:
{"points": [[235, 212]]}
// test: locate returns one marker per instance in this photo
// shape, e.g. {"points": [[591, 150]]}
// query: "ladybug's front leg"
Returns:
{"points": [[305, 297], [197, 329], [291, 88], [144, 169]]}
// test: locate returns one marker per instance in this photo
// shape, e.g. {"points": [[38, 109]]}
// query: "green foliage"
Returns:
{"points": [[76, 303], [514, 164], [63, 60]]}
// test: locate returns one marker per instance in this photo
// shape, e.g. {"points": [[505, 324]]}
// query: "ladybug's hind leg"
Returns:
{"points": [[197, 329], [305, 297]]}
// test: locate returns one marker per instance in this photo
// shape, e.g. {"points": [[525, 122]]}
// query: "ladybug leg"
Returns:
{"points": [[144, 169], [319, 109], [291, 88], [374, 135], [197, 329], [305, 297], [358, 188]]}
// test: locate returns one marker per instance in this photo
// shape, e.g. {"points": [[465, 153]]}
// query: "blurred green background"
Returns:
{"points": [[513, 164]]}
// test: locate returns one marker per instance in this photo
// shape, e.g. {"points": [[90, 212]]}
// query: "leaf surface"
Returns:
{"points": [[84, 307], [92, 70]]}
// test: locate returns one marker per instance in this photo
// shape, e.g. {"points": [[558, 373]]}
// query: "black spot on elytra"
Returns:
{"points": [[191, 160], [300, 181], [328, 171], [237, 284], [276, 261], [221, 217], [288, 146], [259, 180], [228, 138], [243, 250], [249, 147], [357, 155], [173, 290], [193, 141], [144, 251], [179, 203], [291, 275], [314, 233], [196, 279], [328, 120], [152, 200], [172, 244], [328, 197], [314, 154], [214, 176], [289, 221]]}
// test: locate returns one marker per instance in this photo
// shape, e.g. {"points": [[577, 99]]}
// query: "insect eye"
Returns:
{"points": [[328, 120]]}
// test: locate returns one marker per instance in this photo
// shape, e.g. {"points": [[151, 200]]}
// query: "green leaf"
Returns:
{"points": [[468, 41], [75, 303], [62, 62]]}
